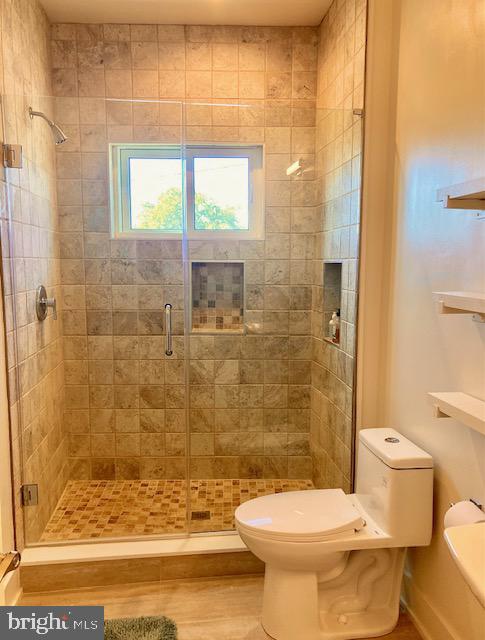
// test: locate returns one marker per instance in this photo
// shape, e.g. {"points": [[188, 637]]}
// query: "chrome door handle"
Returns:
{"points": [[168, 330]]}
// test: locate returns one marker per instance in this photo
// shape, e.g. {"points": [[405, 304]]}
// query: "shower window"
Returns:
{"points": [[221, 186]]}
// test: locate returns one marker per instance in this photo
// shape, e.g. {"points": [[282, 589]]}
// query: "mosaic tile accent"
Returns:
{"points": [[109, 508], [217, 296]]}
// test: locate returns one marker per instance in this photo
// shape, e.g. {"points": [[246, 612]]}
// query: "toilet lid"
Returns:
{"points": [[300, 514]]}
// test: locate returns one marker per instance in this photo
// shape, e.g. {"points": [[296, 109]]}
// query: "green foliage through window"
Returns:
{"points": [[161, 190], [167, 213]]}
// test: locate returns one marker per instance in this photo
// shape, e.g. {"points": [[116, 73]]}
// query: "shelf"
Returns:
{"points": [[218, 332], [461, 302], [330, 341], [332, 294], [460, 406], [466, 195]]}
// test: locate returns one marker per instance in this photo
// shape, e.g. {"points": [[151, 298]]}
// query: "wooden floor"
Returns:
{"points": [[204, 609]]}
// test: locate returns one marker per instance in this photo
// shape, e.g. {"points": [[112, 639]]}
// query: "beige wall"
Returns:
{"points": [[6, 522], [34, 349], [6, 525], [439, 140], [341, 63]]}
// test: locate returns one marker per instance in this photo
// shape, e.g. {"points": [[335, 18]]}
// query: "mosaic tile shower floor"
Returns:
{"points": [[119, 508]]}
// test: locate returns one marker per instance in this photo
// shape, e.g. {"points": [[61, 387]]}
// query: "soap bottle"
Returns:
{"points": [[334, 325]]}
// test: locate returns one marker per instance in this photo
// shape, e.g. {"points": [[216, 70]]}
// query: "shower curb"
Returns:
{"points": [[51, 568]]}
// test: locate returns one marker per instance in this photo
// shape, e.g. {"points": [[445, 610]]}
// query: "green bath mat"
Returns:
{"points": [[144, 628]]}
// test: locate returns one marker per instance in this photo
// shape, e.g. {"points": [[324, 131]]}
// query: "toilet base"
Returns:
{"points": [[362, 601], [290, 604]]}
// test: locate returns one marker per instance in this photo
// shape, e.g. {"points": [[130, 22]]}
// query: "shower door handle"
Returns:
{"points": [[168, 330]]}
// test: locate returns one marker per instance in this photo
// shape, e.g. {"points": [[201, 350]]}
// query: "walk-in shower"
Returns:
{"points": [[167, 204]]}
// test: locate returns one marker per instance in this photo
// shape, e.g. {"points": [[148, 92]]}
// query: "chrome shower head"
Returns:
{"points": [[57, 133]]}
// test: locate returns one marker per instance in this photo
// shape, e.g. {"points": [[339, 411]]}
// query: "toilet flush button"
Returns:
{"points": [[393, 440], [342, 619]]}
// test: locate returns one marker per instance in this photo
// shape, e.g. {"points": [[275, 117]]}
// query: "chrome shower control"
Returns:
{"points": [[43, 303]]}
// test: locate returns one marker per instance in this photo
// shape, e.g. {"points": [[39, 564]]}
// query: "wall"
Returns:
{"points": [[30, 252], [439, 140], [341, 63], [10, 588], [249, 395], [6, 520]]}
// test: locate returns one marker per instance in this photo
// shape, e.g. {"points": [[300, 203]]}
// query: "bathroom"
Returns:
{"points": [[260, 232]]}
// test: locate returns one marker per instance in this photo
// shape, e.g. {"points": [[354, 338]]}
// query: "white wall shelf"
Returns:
{"points": [[466, 195], [461, 302], [460, 406]]}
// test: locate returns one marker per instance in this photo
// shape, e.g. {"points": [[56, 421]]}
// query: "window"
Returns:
{"points": [[211, 191]]}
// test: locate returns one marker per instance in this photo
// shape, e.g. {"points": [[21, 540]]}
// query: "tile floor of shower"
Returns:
{"points": [[90, 509]]}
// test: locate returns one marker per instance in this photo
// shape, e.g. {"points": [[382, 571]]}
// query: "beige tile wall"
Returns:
{"points": [[249, 396], [341, 60], [30, 256]]}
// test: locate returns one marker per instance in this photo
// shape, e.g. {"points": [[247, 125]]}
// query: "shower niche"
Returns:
{"points": [[217, 292], [332, 298]]}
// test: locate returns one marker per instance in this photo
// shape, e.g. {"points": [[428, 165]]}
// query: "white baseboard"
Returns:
{"points": [[427, 621], [10, 589], [418, 624]]}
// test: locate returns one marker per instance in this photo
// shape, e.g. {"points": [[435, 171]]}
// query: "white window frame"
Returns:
{"points": [[120, 155]]}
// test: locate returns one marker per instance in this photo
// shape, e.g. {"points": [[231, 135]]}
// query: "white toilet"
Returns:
{"points": [[334, 562]]}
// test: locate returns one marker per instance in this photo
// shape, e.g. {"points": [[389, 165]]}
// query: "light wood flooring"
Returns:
{"points": [[204, 609]]}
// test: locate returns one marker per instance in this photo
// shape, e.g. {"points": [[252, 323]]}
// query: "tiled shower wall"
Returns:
{"points": [[30, 256], [341, 62], [249, 395]]}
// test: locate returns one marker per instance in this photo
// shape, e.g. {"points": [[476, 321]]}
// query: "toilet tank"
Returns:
{"points": [[394, 485]]}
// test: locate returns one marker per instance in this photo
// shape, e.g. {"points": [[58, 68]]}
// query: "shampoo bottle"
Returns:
{"points": [[334, 325]]}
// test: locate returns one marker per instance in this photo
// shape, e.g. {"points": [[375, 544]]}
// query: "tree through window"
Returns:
{"points": [[213, 189]]}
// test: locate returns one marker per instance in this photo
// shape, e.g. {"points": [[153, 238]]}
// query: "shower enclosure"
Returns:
{"points": [[190, 366]]}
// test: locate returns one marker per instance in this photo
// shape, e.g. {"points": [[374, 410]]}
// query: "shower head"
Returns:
{"points": [[57, 133], [295, 169]]}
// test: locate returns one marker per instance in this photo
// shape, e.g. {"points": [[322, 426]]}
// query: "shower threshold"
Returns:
{"points": [[99, 563]]}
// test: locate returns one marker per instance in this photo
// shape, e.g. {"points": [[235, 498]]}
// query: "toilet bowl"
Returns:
{"points": [[334, 562]]}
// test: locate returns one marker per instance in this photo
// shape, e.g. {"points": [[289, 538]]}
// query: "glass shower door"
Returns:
{"points": [[249, 314], [30, 252], [130, 458], [98, 408]]}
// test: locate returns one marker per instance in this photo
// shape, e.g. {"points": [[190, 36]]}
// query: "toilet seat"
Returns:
{"points": [[300, 516]]}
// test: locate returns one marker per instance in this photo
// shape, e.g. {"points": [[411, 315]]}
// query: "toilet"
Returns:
{"points": [[334, 562]]}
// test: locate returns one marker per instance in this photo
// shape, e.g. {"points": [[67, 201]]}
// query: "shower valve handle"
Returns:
{"points": [[43, 304], [51, 303]]}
